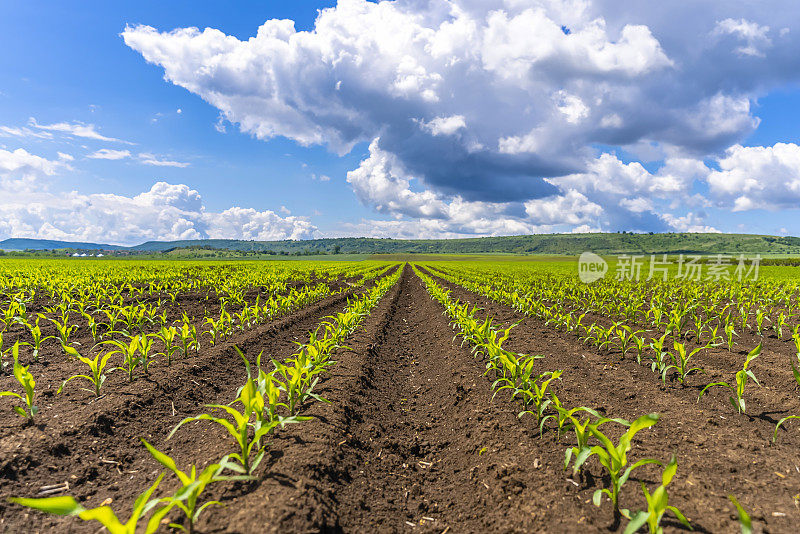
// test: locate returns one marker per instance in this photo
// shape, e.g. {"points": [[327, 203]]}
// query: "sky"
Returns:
{"points": [[122, 122]]}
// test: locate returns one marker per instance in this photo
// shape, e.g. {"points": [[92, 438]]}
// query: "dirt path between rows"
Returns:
{"points": [[413, 442]]}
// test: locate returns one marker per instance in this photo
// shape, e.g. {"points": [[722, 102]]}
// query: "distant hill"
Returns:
{"points": [[568, 244], [47, 244]]}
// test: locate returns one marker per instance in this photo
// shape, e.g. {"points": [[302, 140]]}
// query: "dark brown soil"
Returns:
{"points": [[412, 440]]}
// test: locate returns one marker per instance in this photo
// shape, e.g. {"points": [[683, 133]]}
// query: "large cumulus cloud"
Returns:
{"points": [[516, 106]]}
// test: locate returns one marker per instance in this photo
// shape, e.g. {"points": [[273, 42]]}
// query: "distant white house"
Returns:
{"points": [[76, 255]]}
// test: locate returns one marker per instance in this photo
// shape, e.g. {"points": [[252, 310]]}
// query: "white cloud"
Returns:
{"points": [[484, 101], [758, 177], [145, 158], [30, 208], [381, 181], [572, 208], [20, 170], [571, 106], [367, 67], [13, 131], [75, 129], [754, 35], [165, 212], [150, 159], [445, 125], [690, 222], [108, 153], [247, 223]]}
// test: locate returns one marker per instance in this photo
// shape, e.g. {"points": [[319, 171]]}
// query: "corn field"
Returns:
{"points": [[448, 396]]}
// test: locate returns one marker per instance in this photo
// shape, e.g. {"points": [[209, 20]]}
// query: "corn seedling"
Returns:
{"points": [[659, 363], [298, 383], [145, 346], [534, 394], [729, 333], [657, 505], [639, 344], [96, 368], [128, 351], [741, 382], [38, 339], [582, 450], [192, 486], [64, 329], [250, 451], [25, 379], [760, 321], [615, 457], [103, 514], [168, 338], [680, 361], [745, 524], [626, 336], [187, 336]]}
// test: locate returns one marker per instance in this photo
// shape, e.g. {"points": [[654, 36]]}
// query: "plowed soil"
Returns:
{"points": [[413, 440]]}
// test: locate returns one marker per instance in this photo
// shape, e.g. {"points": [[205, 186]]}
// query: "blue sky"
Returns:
{"points": [[405, 118]]}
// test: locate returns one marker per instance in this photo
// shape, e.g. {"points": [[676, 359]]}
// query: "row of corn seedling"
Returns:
{"points": [[518, 374]]}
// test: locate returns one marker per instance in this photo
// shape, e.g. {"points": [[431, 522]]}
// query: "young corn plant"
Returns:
{"points": [[639, 344], [220, 328], [96, 376], [145, 346], [582, 450], [93, 325], [168, 337], [760, 321], [730, 331], [780, 322], [250, 451], [680, 361], [298, 383], [64, 330], [626, 336], [187, 337], [659, 363], [186, 498], [36, 335], [745, 523], [130, 361], [615, 457], [269, 387], [25, 379], [534, 395], [657, 505], [103, 514], [741, 381]]}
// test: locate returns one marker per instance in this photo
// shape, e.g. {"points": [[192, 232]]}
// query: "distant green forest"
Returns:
{"points": [[563, 244]]}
